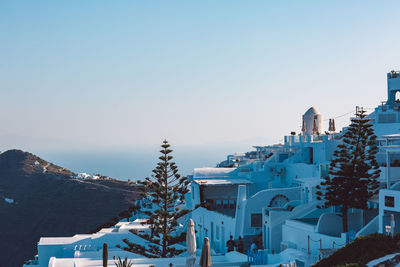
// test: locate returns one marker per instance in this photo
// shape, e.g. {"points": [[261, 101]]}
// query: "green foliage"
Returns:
{"points": [[362, 250], [123, 263], [354, 170], [166, 189]]}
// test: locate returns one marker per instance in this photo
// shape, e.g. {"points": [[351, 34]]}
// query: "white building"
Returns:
{"points": [[87, 250], [271, 191], [77, 245], [94, 260], [268, 194]]}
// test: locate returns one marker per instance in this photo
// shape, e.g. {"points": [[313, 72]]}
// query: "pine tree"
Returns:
{"points": [[354, 170], [166, 189]]}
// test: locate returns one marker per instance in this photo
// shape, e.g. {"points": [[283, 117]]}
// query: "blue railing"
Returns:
{"points": [[257, 258]]}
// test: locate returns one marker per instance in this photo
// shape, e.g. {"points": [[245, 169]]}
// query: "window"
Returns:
{"points": [[232, 204], [217, 232], [218, 203], [387, 118], [225, 203], [256, 220], [394, 142], [210, 203], [389, 201]]}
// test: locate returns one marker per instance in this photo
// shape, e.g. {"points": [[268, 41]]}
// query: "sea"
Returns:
{"points": [[136, 163]]}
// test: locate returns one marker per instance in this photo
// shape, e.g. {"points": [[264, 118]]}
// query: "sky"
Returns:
{"points": [[78, 75]]}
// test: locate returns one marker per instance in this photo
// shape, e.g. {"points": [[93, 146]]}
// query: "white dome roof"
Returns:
{"points": [[311, 111]]}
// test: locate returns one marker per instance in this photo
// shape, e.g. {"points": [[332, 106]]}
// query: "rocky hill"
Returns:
{"points": [[39, 199]]}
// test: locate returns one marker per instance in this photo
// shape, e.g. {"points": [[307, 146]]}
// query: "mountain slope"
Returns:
{"points": [[40, 199], [362, 250]]}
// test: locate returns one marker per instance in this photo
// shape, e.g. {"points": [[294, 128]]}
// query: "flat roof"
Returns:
{"points": [[391, 136], [232, 258], [212, 172], [62, 240], [222, 181]]}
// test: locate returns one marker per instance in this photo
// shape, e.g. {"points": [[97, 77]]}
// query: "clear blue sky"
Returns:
{"points": [[128, 73]]}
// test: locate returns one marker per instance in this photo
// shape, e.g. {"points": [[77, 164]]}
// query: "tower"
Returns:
{"points": [[312, 122]]}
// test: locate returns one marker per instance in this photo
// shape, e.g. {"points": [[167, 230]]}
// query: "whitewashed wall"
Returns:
{"points": [[297, 234], [206, 224], [256, 203]]}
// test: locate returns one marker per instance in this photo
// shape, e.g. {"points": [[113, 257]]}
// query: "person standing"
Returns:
{"points": [[254, 248], [240, 245], [230, 244]]}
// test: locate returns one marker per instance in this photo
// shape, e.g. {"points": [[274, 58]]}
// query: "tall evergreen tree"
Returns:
{"points": [[354, 170], [166, 189]]}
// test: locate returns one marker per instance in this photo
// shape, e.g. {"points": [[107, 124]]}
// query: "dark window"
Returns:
{"points": [[386, 118], [311, 155], [389, 202], [210, 203], [256, 220], [232, 204]]}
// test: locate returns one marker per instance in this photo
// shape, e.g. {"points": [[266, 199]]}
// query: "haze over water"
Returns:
{"points": [[135, 163]]}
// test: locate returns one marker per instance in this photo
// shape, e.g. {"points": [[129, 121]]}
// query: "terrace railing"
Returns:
{"points": [[259, 257]]}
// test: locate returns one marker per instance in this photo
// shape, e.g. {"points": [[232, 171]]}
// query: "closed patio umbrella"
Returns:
{"points": [[205, 259], [191, 244]]}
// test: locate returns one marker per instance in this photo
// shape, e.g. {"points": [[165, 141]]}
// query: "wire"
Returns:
{"points": [[347, 113], [341, 115]]}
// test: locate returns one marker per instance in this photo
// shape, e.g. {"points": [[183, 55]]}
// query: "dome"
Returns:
{"points": [[311, 111], [312, 122]]}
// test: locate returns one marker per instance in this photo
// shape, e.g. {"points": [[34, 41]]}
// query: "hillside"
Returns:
{"points": [[39, 199], [363, 250]]}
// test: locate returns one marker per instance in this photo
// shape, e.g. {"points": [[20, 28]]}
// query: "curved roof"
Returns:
{"points": [[311, 111]]}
